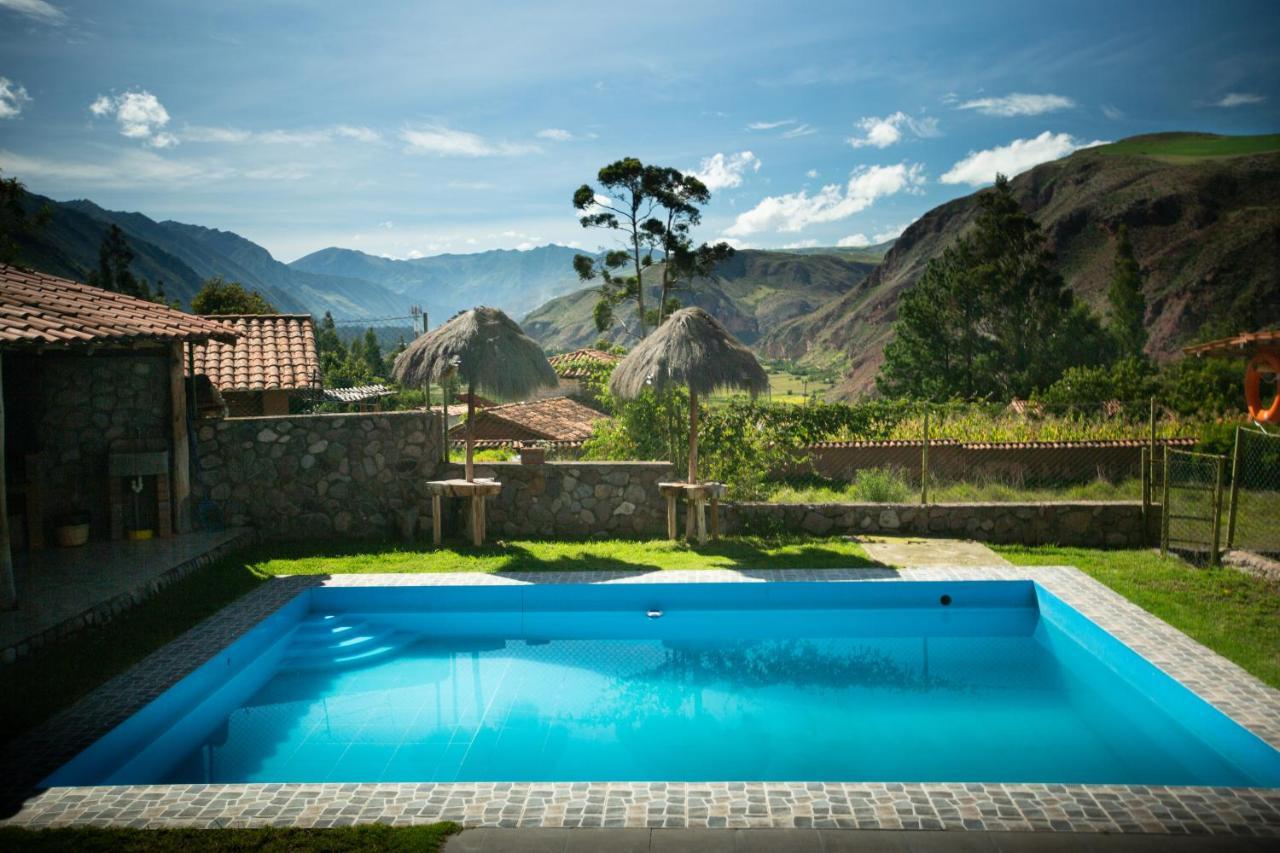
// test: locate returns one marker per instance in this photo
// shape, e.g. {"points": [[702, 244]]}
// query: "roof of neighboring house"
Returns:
{"points": [[45, 310], [1242, 344], [357, 393], [551, 419], [577, 364], [274, 352]]}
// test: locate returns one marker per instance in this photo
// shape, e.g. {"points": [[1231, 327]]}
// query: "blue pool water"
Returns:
{"points": [[783, 681]]}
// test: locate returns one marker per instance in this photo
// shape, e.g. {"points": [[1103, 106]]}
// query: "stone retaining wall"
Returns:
{"points": [[1085, 523], [321, 475], [572, 499]]}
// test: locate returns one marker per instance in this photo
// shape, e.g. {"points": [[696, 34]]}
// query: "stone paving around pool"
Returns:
{"points": [[953, 806]]}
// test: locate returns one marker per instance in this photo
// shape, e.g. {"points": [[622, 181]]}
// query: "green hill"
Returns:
{"points": [[1203, 212]]}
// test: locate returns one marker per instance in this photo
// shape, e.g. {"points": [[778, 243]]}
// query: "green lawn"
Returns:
{"points": [[1194, 146], [1235, 614], [374, 837], [738, 552], [890, 486]]}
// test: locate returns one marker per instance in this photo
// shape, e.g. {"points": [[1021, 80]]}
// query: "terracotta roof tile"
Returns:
{"points": [[552, 419], [43, 309], [272, 352]]}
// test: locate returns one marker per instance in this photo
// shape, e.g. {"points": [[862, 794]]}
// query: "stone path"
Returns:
{"points": [[913, 551], [827, 841]]}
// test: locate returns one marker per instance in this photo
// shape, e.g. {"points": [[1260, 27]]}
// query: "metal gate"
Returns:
{"points": [[1254, 520], [1191, 505]]}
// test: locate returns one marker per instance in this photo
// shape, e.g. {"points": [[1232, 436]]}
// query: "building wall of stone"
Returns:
{"points": [[321, 475], [1087, 523], [572, 499], [71, 407]]}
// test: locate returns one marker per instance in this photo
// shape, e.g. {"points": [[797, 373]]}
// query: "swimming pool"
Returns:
{"points": [[890, 681]]}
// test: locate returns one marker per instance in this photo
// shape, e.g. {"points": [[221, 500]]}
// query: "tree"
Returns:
{"points": [[371, 353], [1128, 303], [219, 296], [654, 208], [15, 221], [115, 259], [989, 318]]}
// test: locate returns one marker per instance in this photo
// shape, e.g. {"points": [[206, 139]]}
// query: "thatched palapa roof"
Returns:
{"points": [[490, 353], [691, 349]]}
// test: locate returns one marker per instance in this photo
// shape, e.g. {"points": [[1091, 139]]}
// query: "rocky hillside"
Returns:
{"points": [[1204, 220], [753, 292]]}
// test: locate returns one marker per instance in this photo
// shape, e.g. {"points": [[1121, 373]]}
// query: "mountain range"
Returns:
{"points": [[1203, 214]]}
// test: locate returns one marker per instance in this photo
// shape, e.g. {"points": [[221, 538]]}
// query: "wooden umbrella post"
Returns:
{"points": [[693, 436], [471, 427]]}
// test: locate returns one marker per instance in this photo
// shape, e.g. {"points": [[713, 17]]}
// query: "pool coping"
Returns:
{"points": [[939, 806]]}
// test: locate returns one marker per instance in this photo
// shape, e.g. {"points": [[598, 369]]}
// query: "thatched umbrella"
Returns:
{"points": [[693, 349], [486, 350]]}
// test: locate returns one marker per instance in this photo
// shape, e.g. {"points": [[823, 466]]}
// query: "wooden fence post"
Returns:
{"points": [[1164, 507], [924, 459], [1235, 491], [1214, 558]]}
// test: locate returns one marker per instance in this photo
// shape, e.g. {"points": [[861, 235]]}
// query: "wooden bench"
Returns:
{"points": [[477, 490], [696, 496]]}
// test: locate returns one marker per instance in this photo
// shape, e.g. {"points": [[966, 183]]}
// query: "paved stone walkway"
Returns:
{"points": [[913, 551], [831, 841]]}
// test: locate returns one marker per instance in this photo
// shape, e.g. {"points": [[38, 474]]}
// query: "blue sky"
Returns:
{"points": [[415, 128]]}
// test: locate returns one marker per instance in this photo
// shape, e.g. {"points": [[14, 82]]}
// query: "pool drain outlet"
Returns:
{"points": [[653, 613]]}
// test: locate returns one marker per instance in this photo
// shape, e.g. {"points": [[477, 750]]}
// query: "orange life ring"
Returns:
{"points": [[1253, 386]]}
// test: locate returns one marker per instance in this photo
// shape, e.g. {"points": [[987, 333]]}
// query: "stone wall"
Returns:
{"points": [[320, 475], [1086, 523], [573, 499], [70, 408]]}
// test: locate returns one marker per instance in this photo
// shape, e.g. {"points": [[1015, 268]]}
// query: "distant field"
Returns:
{"points": [[1194, 146], [789, 388]]}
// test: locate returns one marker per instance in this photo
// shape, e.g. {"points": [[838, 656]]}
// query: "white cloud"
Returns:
{"points": [[735, 242], [38, 9], [770, 125], [1239, 99], [800, 244], [555, 134], [799, 130], [796, 211], [359, 134], [304, 138], [720, 171], [980, 167], [12, 98], [1018, 104], [883, 132], [855, 241], [1112, 112], [446, 142], [139, 115], [812, 173], [893, 232], [130, 168]]}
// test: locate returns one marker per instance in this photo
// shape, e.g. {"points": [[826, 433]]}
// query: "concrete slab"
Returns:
{"points": [[912, 551]]}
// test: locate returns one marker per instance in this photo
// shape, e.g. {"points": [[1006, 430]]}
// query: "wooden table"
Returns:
{"points": [[696, 496], [477, 490]]}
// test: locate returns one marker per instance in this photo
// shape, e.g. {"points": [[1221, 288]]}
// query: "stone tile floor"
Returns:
{"points": [[997, 808], [916, 551], [56, 586]]}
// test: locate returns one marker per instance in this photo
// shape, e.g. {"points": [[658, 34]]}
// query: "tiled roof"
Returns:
{"points": [[272, 352], [41, 309], [576, 364], [1102, 443], [1242, 344], [552, 419]]}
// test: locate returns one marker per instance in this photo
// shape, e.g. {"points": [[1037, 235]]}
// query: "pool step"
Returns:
{"points": [[337, 642]]}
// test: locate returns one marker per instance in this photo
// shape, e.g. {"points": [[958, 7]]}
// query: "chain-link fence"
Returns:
{"points": [[1191, 503], [1254, 508]]}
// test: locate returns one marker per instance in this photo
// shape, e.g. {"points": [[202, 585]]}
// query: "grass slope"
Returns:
{"points": [[1236, 615], [1192, 146]]}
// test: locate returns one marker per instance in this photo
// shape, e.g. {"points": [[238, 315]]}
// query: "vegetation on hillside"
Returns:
{"points": [[219, 296]]}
